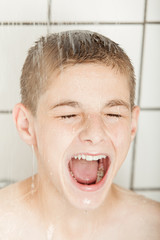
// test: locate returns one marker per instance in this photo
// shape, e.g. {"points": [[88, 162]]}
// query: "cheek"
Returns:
{"points": [[121, 135], [53, 140], [121, 138]]}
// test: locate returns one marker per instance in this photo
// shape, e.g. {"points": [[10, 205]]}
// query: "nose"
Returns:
{"points": [[93, 131]]}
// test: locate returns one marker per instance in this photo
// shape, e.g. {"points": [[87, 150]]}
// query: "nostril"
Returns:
{"points": [[92, 130], [92, 135]]}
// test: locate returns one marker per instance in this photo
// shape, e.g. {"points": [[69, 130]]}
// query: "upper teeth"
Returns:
{"points": [[89, 157]]}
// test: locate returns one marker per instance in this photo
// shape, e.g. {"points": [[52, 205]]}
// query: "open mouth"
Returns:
{"points": [[87, 171]]}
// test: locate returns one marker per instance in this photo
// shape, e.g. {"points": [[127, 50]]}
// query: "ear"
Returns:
{"points": [[24, 123], [134, 123]]}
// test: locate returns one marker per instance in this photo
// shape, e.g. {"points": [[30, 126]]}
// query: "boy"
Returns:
{"points": [[78, 114]]}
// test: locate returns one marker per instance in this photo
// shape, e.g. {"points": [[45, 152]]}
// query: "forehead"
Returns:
{"points": [[87, 83]]}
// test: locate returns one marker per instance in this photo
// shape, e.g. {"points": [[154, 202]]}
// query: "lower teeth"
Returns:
{"points": [[100, 175], [100, 172]]}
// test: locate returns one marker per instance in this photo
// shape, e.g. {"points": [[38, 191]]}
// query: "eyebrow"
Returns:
{"points": [[111, 103], [117, 102], [67, 103]]}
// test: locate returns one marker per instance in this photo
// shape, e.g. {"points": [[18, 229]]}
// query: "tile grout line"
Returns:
{"points": [[145, 189], [142, 54], [132, 177], [71, 23], [5, 111], [49, 16], [150, 109]]}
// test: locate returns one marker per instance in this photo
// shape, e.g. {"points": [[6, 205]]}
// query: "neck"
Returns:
{"points": [[57, 211]]}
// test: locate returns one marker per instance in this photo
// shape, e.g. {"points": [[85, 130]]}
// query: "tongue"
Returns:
{"points": [[84, 171]]}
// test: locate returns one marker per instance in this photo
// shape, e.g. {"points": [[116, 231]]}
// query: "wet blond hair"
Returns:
{"points": [[58, 50]]}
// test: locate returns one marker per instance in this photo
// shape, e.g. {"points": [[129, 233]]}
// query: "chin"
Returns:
{"points": [[89, 200]]}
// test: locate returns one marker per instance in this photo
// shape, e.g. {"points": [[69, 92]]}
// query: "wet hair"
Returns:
{"points": [[59, 50]]}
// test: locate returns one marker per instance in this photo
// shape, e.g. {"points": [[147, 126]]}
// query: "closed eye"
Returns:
{"points": [[68, 116], [114, 115]]}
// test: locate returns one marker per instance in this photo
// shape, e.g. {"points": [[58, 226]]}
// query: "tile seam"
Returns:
{"points": [[147, 189], [132, 177], [70, 23]]}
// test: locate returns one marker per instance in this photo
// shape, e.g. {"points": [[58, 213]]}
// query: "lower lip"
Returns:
{"points": [[92, 187]]}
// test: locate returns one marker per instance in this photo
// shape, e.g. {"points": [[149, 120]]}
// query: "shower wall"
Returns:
{"points": [[135, 25]]}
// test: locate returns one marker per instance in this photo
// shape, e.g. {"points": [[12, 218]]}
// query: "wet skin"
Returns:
{"points": [[86, 109]]}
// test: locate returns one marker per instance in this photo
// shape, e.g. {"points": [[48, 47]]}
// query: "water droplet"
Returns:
{"points": [[86, 212], [50, 232], [86, 201]]}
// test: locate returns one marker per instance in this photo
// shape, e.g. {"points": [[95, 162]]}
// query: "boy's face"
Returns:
{"points": [[86, 111]]}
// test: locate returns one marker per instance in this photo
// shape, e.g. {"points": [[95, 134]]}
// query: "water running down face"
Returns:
{"points": [[84, 114]]}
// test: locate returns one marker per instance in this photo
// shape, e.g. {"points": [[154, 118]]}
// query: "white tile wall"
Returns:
{"points": [[123, 176], [97, 10], [147, 171], [151, 65], [14, 44], [153, 10], [23, 10], [15, 155]]}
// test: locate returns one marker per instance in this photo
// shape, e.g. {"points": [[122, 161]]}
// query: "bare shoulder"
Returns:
{"points": [[138, 202], [141, 212], [14, 214], [12, 198], [8, 196], [13, 195], [8, 209]]}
